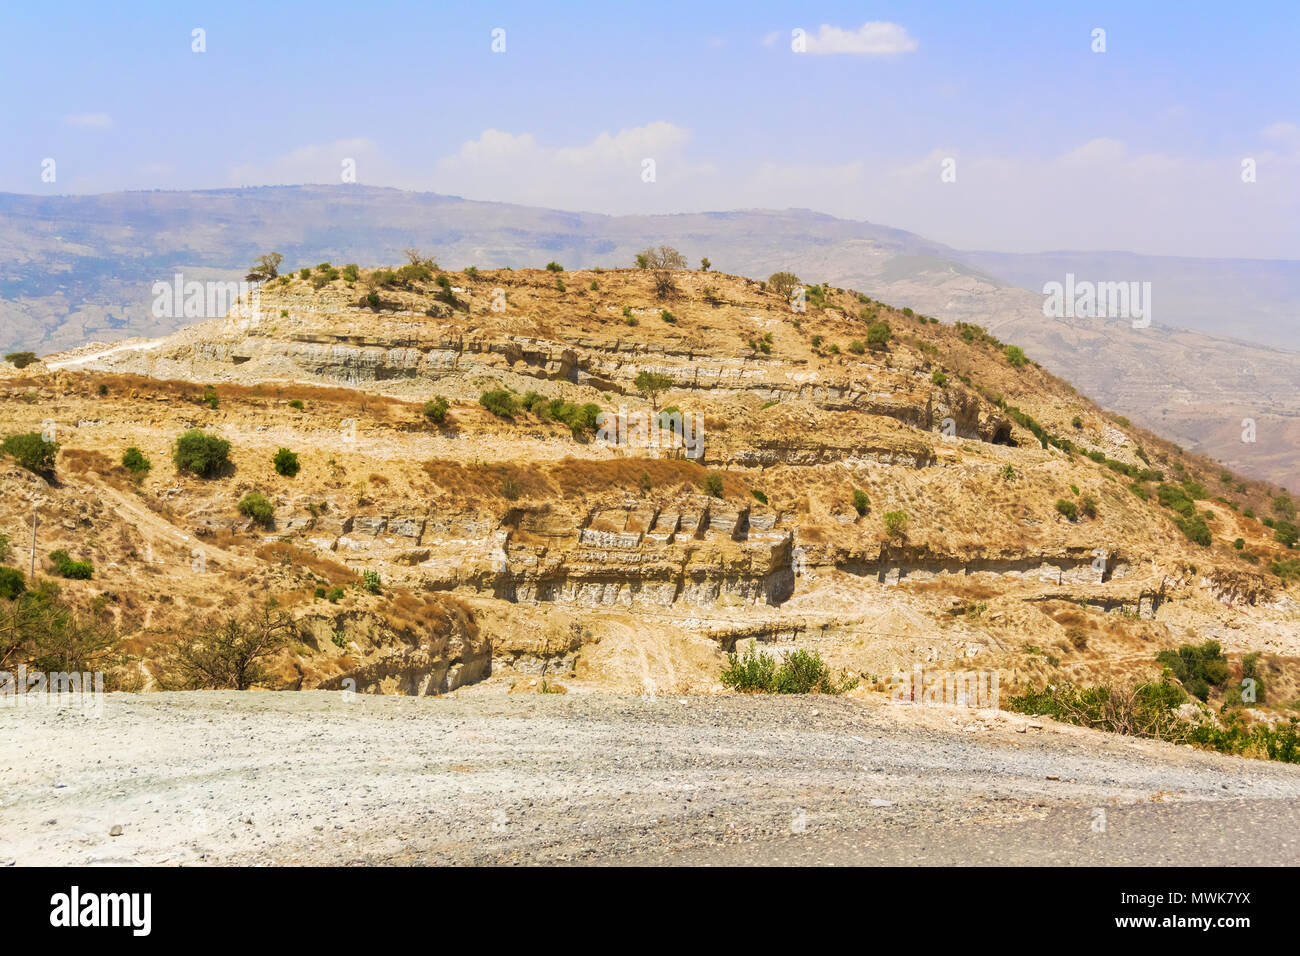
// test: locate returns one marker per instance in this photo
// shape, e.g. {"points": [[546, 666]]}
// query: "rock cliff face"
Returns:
{"points": [[874, 501]]}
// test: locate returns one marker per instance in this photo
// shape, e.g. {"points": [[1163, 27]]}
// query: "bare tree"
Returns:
{"points": [[661, 257], [226, 653], [417, 258]]}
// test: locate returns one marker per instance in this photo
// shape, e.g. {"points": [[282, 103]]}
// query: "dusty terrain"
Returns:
{"points": [[480, 776]]}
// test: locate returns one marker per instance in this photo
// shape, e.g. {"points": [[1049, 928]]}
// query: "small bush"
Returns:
{"points": [[878, 334], [1015, 356], [1088, 506], [713, 485], [297, 404], [1197, 667], [12, 583], [32, 452], [286, 463], [553, 266], [861, 503], [370, 581], [938, 378], [500, 403], [802, 672], [435, 410], [67, 568], [1067, 508], [254, 505], [895, 523], [134, 461], [200, 453]]}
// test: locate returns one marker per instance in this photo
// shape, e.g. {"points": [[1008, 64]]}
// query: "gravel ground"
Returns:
{"points": [[327, 778]]}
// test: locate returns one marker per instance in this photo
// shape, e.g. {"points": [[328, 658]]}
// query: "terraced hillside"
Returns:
{"points": [[881, 487]]}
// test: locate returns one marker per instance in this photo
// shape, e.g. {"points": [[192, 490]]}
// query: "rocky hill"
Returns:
{"points": [[885, 488]]}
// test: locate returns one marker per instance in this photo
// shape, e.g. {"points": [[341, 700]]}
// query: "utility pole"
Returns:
{"points": [[32, 574]]}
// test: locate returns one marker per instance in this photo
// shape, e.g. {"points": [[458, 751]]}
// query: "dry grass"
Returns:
{"points": [[282, 552]]}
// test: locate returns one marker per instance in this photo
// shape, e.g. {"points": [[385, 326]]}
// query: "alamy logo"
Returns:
{"points": [[975, 689], [103, 909], [60, 689], [211, 299], [666, 430], [1090, 300]]}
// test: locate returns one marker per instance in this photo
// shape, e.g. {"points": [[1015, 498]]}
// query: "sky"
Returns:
{"points": [[998, 126]]}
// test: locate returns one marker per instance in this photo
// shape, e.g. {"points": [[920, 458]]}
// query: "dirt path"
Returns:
{"points": [[481, 776]]}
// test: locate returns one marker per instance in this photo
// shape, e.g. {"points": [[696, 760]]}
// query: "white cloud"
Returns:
{"points": [[876, 38], [604, 174], [1288, 134], [89, 120]]}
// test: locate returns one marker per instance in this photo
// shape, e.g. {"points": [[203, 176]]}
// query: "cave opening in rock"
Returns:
{"points": [[1002, 436]]}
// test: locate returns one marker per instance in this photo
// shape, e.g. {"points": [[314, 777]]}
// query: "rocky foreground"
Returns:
{"points": [[481, 776]]}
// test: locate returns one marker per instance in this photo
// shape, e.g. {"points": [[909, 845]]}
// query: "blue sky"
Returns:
{"points": [[1054, 145]]}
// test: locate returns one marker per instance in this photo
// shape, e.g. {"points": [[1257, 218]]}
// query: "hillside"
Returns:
{"points": [[82, 268], [507, 546]]}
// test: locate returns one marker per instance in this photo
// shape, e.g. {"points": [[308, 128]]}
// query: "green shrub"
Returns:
{"points": [[878, 334], [286, 463], [370, 581], [1088, 507], [1067, 508], [1008, 473], [351, 273], [1196, 530], [254, 505], [758, 495], [1197, 667], [1015, 356], [857, 347], [20, 359], [667, 316], [553, 266], [68, 568], [1143, 710], [12, 583], [333, 594], [134, 461], [1285, 533], [938, 378], [297, 403], [713, 484], [210, 398], [861, 503], [32, 452], [500, 403], [801, 672], [200, 453], [435, 410], [895, 523]]}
